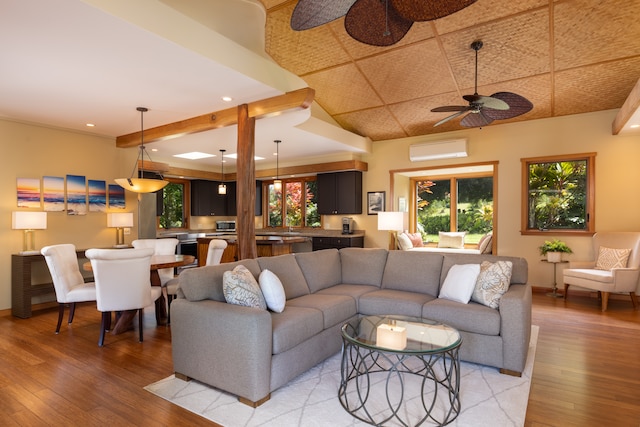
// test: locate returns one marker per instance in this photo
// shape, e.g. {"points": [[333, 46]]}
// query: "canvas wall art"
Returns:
{"points": [[76, 195], [97, 196], [53, 193], [28, 190]]}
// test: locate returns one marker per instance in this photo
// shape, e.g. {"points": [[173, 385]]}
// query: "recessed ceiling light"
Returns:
{"points": [[154, 149], [235, 156], [194, 155], [90, 125], [634, 126], [227, 98]]}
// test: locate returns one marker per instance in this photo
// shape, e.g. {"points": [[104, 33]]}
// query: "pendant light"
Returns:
{"points": [[142, 184], [222, 188], [277, 183]]}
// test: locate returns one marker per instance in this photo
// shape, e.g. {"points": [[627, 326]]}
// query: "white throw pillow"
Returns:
{"points": [[460, 282], [272, 290], [454, 239], [404, 242], [241, 288]]}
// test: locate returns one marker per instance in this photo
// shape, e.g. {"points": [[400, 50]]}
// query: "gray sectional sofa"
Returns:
{"points": [[251, 352]]}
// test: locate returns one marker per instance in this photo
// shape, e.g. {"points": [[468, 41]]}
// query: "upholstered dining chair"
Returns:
{"points": [[214, 256], [614, 268], [122, 283], [68, 282], [160, 247]]}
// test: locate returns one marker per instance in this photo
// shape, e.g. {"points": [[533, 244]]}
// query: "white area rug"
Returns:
{"points": [[487, 397]]}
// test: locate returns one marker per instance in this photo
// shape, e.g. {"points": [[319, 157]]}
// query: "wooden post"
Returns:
{"points": [[246, 185]]}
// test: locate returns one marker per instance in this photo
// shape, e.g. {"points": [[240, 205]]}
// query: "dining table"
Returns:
{"points": [[124, 320]]}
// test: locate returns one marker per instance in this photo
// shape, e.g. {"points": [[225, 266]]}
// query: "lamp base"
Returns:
{"points": [[120, 246]]}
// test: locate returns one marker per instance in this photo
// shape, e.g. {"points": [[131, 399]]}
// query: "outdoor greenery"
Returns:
{"points": [[172, 199], [296, 216], [557, 195], [554, 245]]}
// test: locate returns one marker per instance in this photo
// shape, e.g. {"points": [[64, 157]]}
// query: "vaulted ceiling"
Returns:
{"points": [[566, 57]]}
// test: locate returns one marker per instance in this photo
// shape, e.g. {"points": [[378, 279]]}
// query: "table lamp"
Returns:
{"points": [[120, 220], [29, 221], [392, 222]]}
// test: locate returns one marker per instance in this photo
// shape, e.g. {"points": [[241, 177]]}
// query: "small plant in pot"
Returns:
{"points": [[553, 249]]}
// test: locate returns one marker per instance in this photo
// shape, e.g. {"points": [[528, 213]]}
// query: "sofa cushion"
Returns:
{"points": [[609, 258], [294, 326], [413, 272], [460, 282], [493, 281], [272, 290], [240, 288], [321, 269], [363, 266], [602, 276], [353, 291], [472, 317], [197, 284], [335, 308], [289, 273], [390, 301]]}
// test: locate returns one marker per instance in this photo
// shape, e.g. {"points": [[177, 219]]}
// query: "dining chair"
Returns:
{"points": [[122, 283], [214, 256], [70, 287], [160, 247]]}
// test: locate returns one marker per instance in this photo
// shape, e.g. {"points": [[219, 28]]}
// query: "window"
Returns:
{"points": [[300, 208], [558, 194], [461, 202], [171, 203]]}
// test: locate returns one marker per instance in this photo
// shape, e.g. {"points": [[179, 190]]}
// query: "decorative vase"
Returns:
{"points": [[554, 256]]}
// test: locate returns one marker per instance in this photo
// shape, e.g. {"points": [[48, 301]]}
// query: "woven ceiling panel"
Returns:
{"points": [[375, 123]]}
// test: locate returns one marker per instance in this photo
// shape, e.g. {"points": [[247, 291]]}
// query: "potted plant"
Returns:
{"points": [[554, 249]]}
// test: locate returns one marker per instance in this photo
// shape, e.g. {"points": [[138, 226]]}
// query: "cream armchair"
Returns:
{"points": [[618, 279]]}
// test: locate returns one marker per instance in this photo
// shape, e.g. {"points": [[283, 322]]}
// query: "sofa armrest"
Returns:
{"points": [[625, 279], [515, 326], [223, 345]]}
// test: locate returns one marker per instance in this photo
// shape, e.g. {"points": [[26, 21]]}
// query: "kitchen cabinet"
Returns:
{"points": [[205, 200], [232, 199], [320, 243], [340, 193]]}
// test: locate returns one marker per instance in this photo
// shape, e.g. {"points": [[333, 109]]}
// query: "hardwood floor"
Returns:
{"points": [[587, 369]]}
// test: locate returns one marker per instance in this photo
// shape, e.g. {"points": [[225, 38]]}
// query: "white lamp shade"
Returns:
{"points": [[29, 220], [120, 219], [391, 221]]}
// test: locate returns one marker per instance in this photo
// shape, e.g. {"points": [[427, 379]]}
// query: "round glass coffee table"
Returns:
{"points": [[399, 369]]}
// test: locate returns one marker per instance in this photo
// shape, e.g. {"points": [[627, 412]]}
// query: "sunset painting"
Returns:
{"points": [[28, 190], [76, 195], [97, 196], [53, 193], [116, 197]]}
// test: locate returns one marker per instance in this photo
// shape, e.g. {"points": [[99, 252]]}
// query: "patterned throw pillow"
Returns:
{"points": [[484, 245], [453, 239], [240, 288], [609, 258], [493, 281], [416, 239]]}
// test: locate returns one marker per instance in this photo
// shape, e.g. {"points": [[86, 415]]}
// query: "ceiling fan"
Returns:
{"points": [[374, 22], [483, 110]]}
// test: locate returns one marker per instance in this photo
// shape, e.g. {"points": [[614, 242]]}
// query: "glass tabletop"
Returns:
{"points": [[401, 334]]}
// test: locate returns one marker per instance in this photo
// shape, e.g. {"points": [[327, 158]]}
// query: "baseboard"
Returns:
{"points": [[579, 292]]}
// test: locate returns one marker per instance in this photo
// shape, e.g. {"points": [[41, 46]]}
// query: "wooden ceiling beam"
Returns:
{"points": [[301, 98], [628, 109]]}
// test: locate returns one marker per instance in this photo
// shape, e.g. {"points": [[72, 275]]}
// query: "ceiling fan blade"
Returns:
{"points": [[453, 116], [373, 22], [476, 120], [517, 105], [420, 10], [487, 101], [450, 108], [313, 13]]}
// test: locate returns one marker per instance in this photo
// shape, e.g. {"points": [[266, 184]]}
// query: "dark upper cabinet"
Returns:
{"points": [[340, 193], [232, 204], [205, 200]]}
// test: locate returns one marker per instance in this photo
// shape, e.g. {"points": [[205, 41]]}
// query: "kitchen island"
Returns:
{"points": [[266, 245]]}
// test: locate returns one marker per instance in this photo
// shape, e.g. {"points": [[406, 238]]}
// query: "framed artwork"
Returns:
{"points": [[28, 190], [76, 195], [53, 193], [375, 202], [97, 195], [116, 197]]}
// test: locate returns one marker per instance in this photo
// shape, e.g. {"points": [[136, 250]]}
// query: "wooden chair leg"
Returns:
{"points": [[634, 300], [140, 315], [60, 316], [72, 312], [566, 289], [605, 300], [169, 299], [106, 317]]}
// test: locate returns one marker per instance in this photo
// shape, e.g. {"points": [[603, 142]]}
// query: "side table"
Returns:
{"points": [[554, 293]]}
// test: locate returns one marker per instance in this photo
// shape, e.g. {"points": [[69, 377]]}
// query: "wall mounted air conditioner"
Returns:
{"points": [[438, 150]]}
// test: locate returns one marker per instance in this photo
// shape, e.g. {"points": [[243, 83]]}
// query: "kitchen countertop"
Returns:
{"points": [[311, 232]]}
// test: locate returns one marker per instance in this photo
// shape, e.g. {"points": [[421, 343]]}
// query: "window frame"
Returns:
{"points": [[590, 213], [186, 204], [265, 201]]}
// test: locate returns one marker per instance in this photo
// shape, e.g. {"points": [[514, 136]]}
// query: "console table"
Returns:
{"points": [[22, 286]]}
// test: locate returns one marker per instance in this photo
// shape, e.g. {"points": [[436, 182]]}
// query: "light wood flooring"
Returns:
{"points": [[587, 369]]}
